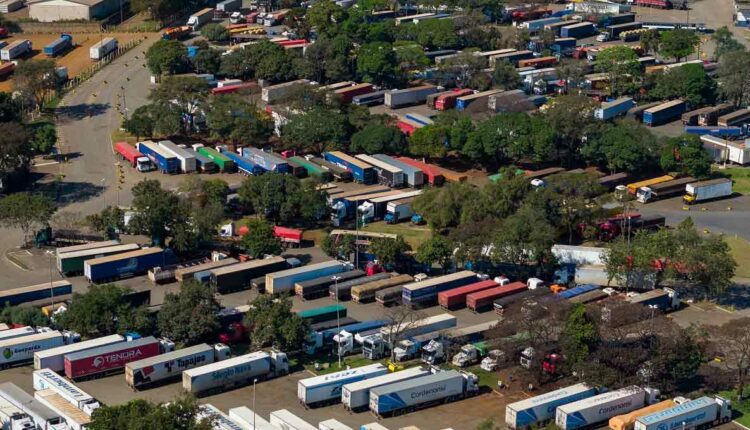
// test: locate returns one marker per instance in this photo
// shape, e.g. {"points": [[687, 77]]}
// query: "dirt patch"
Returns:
{"points": [[76, 59]]}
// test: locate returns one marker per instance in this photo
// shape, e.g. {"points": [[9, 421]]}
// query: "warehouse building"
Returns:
{"points": [[68, 10]]}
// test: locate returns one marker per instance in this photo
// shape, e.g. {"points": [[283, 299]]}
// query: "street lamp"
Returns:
{"points": [[254, 382], [651, 337], [51, 286], [338, 320]]}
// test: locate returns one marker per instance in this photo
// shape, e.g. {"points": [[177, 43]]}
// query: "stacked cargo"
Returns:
{"points": [[483, 300], [237, 276]]}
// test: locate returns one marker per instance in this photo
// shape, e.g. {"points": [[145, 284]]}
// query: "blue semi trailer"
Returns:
{"points": [[714, 130], [59, 45], [664, 113], [163, 160], [123, 265], [361, 171], [243, 164], [269, 162], [17, 296]]}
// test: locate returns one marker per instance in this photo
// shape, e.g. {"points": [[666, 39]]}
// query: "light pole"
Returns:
{"points": [[338, 320], [51, 287], [254, 382], [653, 309]]}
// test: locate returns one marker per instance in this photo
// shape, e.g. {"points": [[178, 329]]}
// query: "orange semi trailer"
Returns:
{"points": [[627, 421]]}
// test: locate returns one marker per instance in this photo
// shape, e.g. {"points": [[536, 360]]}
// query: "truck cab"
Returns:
{"points": [[492, 361], [434, 352], [279, 363], [373, 347], [470, 354], [144, 164], [644, 194]]}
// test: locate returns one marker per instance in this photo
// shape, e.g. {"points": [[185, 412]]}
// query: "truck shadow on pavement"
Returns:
{"points": [[81, 111]]}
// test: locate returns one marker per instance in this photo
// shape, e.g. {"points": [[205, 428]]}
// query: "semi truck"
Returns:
{"points": [[224, 163], [163, 160], [46, 379], [366, 292], [122, 265], [356, 396], [73, 262], [663, 190], [410, 96], [42, 416], [269, 162], [13, 417], [664, 113], [361, 171], [321, 338], [426, 292], [399, 210], [389, 296], [387, 174], [702, 191], [136, 159], [414, 176], [235, 372], [47, 290], [11, 333], [59, 45], [615, 108], [54, 358], [635, 186], [326, 389], [238, 276], [318, 287], [101, 49], [229, 6], [590, 411], [540, 409], [435, 350], [699, 413], [187, 160], [21, 350], [283, 419], [481, 301], [104, 360], [666, 299], [627, 421], [15, 50], [244, 165], [249, 419], [422, 392], [203, 16], [456, 297], [167, 367], [283, 281], [427, 325]]}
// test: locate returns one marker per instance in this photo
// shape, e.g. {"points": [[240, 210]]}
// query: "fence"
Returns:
{"points": [[87, 73], [60, 27]]}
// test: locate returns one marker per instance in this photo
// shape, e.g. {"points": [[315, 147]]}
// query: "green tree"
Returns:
{"points": [[207, 61], [264, 60], [506, 76], [215, 32], [389, 251], [410, 56], [167, 57], [341, 246], [186, 94], [45, 137], [315, 131], [524, 238], [105, 310], [732, 343], [436, 34], [140, 123], [442, 207], [685, 154], [260, 240], [620, 63], [725, 42], [579, 336], [650, 41], [272, 323], [325, 17], [10, 108], [179, 414], [376, 63], [156, 210], [190, 316], [464, 67], [23, 315], [26, 211], [233, 119], [734, 81], [510, 136], [377, 138], [571, 116], [572, 72], [625, 146], [678, 43], [436, 250], [35, 80], [689, 82], [327, 60], [573, 198], [429, 141], [155, 119], [15, 150], [109, 221]]}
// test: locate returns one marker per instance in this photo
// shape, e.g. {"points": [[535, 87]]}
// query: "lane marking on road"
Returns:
{"points": [[47, 164]]}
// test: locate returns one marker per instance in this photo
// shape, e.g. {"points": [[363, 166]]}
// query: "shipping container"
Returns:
{"points": [[165, 367], [609, 110], [420, 327], [478, 97], [389, 296], [540, 409], [283, 419], [234, 372], [420, 392], [134, 157], [223, 162], [366, 292], [186, 273], [710, 115], [273, 93], [356, 396], [361, 171], [370, 99], [238, 276], [54, 358], [108, 359], [122, 265], [187, 161], [21, 350], [47, 379], [47, 290], [164, 160], [387, 174], [537, 25], [697, 192], [739, 117], [590, 411], [72, 262], [283, 281], [432, 174], [59, 45], [615, 30], [538, 62], [249, 420], [666, 112], [268, 161], [448, 101], [15, 50], [327, 388], [425, 293], [483, 300], [347, 94], [410, 96], [456, 297], [577, 291], [700, 413], [44, 418], [101, 49], [635, 186]]}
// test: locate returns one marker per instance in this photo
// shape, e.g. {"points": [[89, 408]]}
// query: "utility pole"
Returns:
{"points": [[338, 319]]}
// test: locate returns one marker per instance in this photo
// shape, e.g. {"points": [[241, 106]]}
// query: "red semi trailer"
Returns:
{"points": [[432, 173], [109, 359], [448, 101], [484, 300], [456, 298], [134, 157]]}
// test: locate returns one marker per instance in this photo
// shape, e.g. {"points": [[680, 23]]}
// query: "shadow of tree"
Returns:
{"points": [[65, 193], [80, 111]]}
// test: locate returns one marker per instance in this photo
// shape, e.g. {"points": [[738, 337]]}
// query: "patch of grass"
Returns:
{"points": [[741, 178], [740, 410], [487, 379], [329, 364], [414, 235], [316, 236], [123, 136], [740, 249]]}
